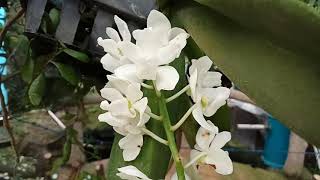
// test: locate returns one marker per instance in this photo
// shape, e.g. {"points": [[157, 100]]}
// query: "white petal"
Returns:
{"points": [[144, 118], [126, 176], [118, 83], [104, 105], [157, 20], [205, 137], [198, 116], [219, 97], [133, 93], [170, 52], [174, 32], [128, 72], [111, 120], [167, 78], [132, 52], [221, 160], [203, 64], [113, 34], [108, 45], [131, 154], [193, 83], [109, 63], [131, 141], [220, 140], [132, 128], [123, 28], [121, 108], [120, 130], [147, 71], [133, 171], [211, 79], [150, 40], [111, 94], [131, 145], [141, 106]]}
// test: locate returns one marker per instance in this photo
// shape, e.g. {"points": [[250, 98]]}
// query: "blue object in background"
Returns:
{"points": [[276, 145], [2, 16], [3, 60]]}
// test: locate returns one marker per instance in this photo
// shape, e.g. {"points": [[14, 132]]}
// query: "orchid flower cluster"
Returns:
{"points": [[148, 59]]}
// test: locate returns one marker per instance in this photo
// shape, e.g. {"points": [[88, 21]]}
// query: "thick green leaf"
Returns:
{"points": [[77, 55], [283, 82], [36, 90], [54, 16], [27, 70], [67, 72], [222, 118], [291, 23], [20, 46]]}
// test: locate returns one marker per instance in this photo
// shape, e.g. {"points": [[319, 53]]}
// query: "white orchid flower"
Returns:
{"points": [[131, 129], [114, 57], [131, 173], [208, 98], [208, 150], [126, 98], [126, 113], [156, 46]]}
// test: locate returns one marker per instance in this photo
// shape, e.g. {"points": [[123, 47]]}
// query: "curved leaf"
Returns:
{"points": [[36, 90], [283, 82], [54, 15], [77, 55], [67, 72], [27, 70], [291, 23]]}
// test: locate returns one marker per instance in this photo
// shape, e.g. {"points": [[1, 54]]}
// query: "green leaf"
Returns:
{"points": [[20, 46], [36, 90], [282, 81], [65, 153], [67, 72], [54, 15], [292, 24], [77, 55], [27, 70]]}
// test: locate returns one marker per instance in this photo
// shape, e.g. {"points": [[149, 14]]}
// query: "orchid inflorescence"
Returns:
{"points": [[127, 110]]}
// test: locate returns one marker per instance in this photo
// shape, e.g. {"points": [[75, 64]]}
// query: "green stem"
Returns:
{"points": [[171, 137], [184, 118], [154, 116], [154, 136], [169, 99], [146, 85]]}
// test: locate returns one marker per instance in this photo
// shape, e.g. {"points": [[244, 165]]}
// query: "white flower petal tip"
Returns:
{"points": [[175, 176], [167, 78], [131, 145], [198, 116], [131, 173], [113, 34], [123, 28], [158, 20]]}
